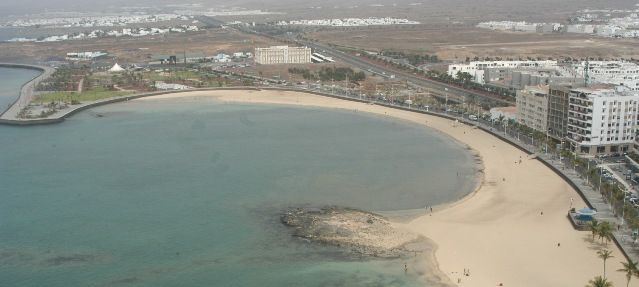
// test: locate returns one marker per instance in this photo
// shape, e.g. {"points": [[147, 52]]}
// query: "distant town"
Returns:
{"points": [[350, 22], [604, 23]]}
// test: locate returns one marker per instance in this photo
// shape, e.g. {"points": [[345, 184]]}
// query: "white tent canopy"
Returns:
{"points": [[116, 68]]}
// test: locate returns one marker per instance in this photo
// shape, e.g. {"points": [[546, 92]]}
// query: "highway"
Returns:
{"points": [[437, 88]]}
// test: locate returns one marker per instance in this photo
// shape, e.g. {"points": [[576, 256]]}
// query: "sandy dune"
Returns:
{"points": [[499, 232]]}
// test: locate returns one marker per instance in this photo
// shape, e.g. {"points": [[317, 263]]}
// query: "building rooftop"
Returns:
{"points": [[539, 89], [605, 90]]}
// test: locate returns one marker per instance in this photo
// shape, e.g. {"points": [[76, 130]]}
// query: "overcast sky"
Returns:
{"points": [[21, 7]]}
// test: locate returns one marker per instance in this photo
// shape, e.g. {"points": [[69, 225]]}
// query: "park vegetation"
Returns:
{"points": [[330, 74]]}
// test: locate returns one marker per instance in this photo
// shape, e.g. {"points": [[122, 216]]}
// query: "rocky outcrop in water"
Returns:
{"points": [[360, 232]]}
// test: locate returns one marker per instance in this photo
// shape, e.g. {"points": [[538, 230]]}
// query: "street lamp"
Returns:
{"points": [[600, 176], [446, 93], [623, 209], [532, 139], [547, 130], [588, 173], [505, 127]]}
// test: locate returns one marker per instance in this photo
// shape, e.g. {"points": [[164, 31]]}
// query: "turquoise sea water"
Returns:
{"points": [[166, 193], [11, 80]]}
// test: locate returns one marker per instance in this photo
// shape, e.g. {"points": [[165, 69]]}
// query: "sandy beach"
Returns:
{"points": [[508, 231]]}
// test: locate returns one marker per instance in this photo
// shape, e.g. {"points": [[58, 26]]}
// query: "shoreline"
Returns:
{"points": [[497, 228], [496, 231], [25, 95]]}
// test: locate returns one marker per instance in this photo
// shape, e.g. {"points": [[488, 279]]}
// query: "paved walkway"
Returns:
{"points": [[27, 91], [591, 195]]}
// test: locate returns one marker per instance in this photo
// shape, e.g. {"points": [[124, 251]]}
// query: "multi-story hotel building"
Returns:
{"points": [[602, 119], [558, 111], [282, 55], [532, 107]]}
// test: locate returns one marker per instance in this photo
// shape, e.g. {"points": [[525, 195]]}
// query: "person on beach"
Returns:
{"points": [[405, 268]]}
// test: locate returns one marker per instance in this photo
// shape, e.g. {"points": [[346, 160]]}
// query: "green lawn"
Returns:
{"points": [[175, 75], [86, 96]]}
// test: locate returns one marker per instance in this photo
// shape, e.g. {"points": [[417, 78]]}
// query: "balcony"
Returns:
{"points": [[580, 103], [578, 130], [581, 110], [582, 119]]}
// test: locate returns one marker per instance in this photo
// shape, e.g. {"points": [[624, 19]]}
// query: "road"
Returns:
{"points": [[438, 89], [441, 89]]}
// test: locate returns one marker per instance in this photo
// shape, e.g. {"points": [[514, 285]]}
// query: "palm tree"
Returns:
{"points": [[594, 228], [605, 231], [599, 282], [630, 269], [604, 254]]}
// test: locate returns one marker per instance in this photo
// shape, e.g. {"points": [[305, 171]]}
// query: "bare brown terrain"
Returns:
{"points": [[431, 11], [456, 42], [137, 50]]}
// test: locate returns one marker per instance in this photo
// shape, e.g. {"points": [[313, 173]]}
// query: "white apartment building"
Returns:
{"points": [[282, 55], [532, 107], [611, 72], [602, 120], [580, 28], [477, 68], [85, 56]]}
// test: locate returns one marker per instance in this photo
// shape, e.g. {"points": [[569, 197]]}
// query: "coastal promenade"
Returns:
{"points": [[591, 196], [28, 89]]}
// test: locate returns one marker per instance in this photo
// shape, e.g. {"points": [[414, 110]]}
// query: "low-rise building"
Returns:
{"points": [[580, 28], [85, 56], [620, 73], [160, 85], [477, 69], [179, 58], [519, 78]]}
